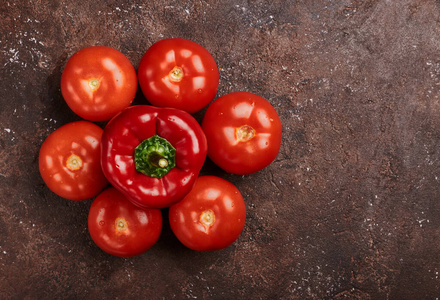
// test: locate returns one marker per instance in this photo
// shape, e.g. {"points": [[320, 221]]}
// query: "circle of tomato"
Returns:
{"points": [[98, 82], [210, 217], [119, 227], [243, 132], [178, 73], [69, 161]]}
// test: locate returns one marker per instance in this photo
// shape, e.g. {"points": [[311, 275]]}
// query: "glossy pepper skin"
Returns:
{"points": [[133, 126]]}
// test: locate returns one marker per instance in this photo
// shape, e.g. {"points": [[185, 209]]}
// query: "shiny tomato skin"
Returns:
{"points": [[243, 132], [119, 227], [98, 82], [69, 161], [194, 90], [211, 217]]}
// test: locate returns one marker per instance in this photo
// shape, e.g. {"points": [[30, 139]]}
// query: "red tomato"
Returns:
{"points": [[119, 227], [178, 73], [210, 217], [243, 132], [98, 82], [69, 161]]}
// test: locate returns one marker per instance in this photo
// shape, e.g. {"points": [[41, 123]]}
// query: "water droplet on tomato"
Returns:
{"points": [[199, 91], [102, 223]]}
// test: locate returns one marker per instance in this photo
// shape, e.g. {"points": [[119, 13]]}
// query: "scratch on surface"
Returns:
{"points": [[272, 181], [235, 257]]}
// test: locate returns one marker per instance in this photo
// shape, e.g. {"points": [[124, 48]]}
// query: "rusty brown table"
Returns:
{"points": [[350, 208]]}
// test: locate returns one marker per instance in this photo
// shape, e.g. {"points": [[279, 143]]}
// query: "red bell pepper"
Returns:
{"points": [[153, 155]]}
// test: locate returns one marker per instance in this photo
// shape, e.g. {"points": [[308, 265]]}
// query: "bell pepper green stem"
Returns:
{"points": [[154, 157]]}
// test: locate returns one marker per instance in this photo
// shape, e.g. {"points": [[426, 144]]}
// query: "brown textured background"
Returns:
{"points": [[350, 208]]}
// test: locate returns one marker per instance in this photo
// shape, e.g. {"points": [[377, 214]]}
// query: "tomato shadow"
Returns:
{"points": [[167, 240], [139, 98], [55, 108]]}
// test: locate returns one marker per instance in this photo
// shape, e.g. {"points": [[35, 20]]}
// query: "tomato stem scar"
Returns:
{"points": [[245, 133], [176, 74], [74, 162], [94, 84], [121, 225], [207, 218]]}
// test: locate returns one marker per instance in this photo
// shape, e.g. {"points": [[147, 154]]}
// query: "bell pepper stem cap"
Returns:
{"points": [[154, 157]]}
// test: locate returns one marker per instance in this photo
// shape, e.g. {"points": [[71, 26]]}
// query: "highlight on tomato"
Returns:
{"points": [[69, 161], [210, 217], [178, 73], [119, 227], [98, 82], [243, 131]]}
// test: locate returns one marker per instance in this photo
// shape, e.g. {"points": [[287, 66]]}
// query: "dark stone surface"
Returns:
{"points": [[350, 208]]}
